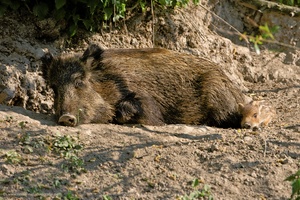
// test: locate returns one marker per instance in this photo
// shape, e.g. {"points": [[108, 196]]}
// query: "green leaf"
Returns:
{"points": [[293, 176], [274, 29], [196, 2], [117, 17], [256, 47], [107, 13], [76, 18], [88, 24], [14, 5], [143, 6], [106, 197], [60, 14], [2, 10], [41, 10], [296, 187], [93, 5], [123, 8], [59, 4], [264, 28], [195, 182], [73, 30]]}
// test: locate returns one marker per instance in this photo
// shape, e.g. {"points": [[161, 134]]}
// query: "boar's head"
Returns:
{"points": [[76, 100], [256, 114]]}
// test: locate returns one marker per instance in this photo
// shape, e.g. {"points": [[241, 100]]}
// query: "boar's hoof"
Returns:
{"points": [[67, 120]]}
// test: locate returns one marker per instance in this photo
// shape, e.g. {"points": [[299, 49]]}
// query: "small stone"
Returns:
{"points": [[7, 170], [253, 174], [214, 147], [248, 139]]}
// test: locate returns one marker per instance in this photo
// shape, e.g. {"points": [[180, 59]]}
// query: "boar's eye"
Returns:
{"points": [[255, 115], [79, 83]]}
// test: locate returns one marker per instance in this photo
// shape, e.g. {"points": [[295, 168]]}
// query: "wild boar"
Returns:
{"points": [[151, 86], [256, 114]]}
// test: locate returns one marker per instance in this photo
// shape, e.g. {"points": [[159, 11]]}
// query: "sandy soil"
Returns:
{"points": [[41, 160]]}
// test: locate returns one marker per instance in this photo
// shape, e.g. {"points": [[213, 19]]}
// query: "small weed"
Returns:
{"points": [[106, 197], [9, 119], [66, 146], [295, 181], [70, 196], [74, 164], [198, 194], [29, 143], [34, 189], [13, 157], [57, 183], [23, 178], [266, 34], [25, 139], [22, 124]]}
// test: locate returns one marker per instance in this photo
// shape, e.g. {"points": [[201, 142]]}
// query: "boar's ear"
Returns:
{"points": [[93, 51], [47, 60], [241, 107]]}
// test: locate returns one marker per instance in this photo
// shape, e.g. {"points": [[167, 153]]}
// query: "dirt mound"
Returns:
{"points": [[40, 160]]}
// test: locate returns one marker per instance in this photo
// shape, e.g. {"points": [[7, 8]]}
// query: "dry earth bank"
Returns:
{"points": [[146, 162]]}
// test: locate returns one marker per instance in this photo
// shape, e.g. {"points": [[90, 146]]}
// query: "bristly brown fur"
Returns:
{"points": [[146, 86]]}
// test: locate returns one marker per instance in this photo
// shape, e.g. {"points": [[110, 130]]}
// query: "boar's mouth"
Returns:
{"points": [[67, 120]]}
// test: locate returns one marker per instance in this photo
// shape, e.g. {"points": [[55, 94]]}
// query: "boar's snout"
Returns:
{"points": [[246, 125], [249, 126], [67, 120]]}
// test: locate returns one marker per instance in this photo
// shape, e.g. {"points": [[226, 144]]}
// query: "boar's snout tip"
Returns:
{"points": [[256, 128], [67, 120], [249, 126], [246, 125]]}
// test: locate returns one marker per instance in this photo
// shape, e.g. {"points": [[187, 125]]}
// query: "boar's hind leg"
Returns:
{"points": [[143, 109], [128, 110]]}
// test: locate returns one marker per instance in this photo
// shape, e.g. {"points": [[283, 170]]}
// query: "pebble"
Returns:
{"points": [[248, 139]]}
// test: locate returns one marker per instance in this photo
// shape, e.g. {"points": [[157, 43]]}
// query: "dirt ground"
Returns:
{"points": [[41, 160]]}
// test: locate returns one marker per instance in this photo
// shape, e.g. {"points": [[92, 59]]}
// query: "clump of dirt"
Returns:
{"points": [[40, 159]]}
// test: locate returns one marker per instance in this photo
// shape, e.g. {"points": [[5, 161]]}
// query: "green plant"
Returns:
{"points": [[106, 197], [56, 183], [295, 181], [290, 2], [90, 14], [13, 157], [266, 35], [67, 196], [74, 164], [198, 194], [9, 4], [66, 146], [34, 189], [23, 178], [22, 124]]}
